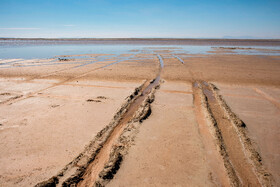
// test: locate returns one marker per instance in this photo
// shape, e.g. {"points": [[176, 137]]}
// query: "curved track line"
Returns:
{"points": [[179, 59]]}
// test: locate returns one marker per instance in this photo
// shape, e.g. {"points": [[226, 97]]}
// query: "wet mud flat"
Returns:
{"points": [[155, 119]]}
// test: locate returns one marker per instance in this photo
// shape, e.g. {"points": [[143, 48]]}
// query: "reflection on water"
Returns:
{"points": [[11, 49]]}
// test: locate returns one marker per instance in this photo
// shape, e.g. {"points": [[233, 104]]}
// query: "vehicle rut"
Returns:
{"points": [[241, 160], [102, 158]]}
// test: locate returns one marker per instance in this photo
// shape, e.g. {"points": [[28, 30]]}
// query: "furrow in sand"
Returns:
{"points": [[242, 161]]}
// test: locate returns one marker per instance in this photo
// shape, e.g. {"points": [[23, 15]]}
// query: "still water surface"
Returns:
{"points": [[11, 49]]}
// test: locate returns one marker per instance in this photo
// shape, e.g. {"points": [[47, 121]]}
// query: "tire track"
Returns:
{"points": [[102, 158], [108, 160], [220, 176], [242, 161]]}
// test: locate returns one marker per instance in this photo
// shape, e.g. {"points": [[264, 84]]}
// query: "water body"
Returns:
{"points": [[32, 49]]}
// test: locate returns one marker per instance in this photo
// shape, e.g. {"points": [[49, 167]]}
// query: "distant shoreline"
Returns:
{"points": [[149, 41], [143, 39]]}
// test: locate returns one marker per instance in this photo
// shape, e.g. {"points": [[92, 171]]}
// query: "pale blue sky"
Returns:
{"points": [[146, 18]]}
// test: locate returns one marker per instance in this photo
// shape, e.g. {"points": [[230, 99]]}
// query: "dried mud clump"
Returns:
{"points": [[54, 106], [11, 99], [63, 59], [93, 100], [49, 183], [101, 97], [5, 93]]}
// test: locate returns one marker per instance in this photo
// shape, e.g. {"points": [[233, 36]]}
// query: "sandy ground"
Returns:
{"points": [[42, 133], [226, 68], [49, 113]]}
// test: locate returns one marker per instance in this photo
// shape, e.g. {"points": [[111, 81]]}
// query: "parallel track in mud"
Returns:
{"points": [[91, 174], [241, 160], [104, 146], [93, 170]]}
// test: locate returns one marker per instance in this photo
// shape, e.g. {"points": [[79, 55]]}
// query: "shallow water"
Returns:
{"points": [[31, 49]]}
